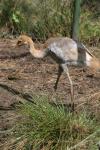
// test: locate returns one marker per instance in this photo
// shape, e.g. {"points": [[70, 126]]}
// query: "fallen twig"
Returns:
{"points": [[14, 56], [25, 96]]}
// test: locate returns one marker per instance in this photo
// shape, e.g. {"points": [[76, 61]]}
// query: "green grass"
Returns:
{"points": [[52, 128]]}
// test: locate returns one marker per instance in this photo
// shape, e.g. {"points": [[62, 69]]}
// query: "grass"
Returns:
{"points": [[89, 29], [48, 127]]}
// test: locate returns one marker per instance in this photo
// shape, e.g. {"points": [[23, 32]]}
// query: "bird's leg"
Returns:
{"points": [[60, 70], [65, 68]]}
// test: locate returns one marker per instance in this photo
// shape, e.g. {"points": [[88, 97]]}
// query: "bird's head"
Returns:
{"points": [[23, 40], [26, 40]]}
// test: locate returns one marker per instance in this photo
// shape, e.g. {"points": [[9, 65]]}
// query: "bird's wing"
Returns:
{"points": [[87, 50]]}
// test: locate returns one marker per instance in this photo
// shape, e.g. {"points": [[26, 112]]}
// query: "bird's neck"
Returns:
{"points": [[38, 53]]}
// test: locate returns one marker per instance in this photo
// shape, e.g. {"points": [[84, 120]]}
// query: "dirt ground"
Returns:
{"points": [[22, 75]]}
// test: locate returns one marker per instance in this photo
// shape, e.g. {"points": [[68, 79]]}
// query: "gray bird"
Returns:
{"points": [[64, 51]]}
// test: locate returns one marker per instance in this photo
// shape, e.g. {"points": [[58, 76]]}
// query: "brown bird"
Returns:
{"points": [[64, 51]]}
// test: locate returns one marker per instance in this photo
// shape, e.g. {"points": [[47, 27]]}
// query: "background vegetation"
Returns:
{"points": [[45, 18]]}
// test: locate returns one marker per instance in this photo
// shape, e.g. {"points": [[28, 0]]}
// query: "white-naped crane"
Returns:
{"points": [[64, 51]]}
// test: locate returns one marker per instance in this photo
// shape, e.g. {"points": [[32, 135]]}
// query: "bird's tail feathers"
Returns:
{"points": [[95, 64]]}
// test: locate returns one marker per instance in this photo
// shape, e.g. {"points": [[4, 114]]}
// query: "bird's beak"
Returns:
{"points": [[16, 45]]}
